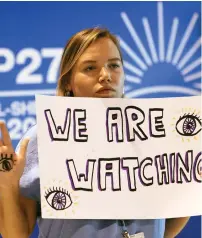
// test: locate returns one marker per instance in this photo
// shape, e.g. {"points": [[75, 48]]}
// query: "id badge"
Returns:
{"points": [[138, 235]]}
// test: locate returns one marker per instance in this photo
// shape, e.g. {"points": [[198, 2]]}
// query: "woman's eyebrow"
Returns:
{"points": [[114, 59], [88, 61], [94, 61]]}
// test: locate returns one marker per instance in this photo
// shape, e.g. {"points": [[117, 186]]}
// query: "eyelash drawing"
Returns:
{"points": [[188, 127], [189, 114], [60, 199]]}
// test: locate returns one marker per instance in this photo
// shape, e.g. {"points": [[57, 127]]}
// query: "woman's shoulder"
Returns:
{"points": [[32, 150], [31, 133], [29, 182]]}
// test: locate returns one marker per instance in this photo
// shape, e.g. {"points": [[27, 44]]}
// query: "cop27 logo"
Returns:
{"points": [[182, 61]]}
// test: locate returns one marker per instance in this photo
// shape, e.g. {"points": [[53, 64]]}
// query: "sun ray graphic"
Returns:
{"points": [[132, 54], [127, 88], [48, 211], [190, 53], [150, 40], [198, 85], [136, 38], [172, 39], [161, 31], [182, 58], [192, 66], [185, 38], [193, 77], [132, 68]]}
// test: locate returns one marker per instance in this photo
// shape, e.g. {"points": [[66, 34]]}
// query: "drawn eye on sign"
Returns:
{"points": [[187, 124], [58, 198]]}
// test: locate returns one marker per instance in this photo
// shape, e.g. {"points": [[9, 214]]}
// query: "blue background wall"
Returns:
{"points": [[160, 43]]}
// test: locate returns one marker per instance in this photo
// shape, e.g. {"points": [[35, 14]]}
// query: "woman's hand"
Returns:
{"points": [[11, 164]]}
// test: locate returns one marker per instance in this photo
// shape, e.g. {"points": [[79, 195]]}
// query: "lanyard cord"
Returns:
{"points": [[125, 233]]}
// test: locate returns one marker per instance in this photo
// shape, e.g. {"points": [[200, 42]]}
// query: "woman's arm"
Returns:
{"points": [[174, 226], [17, 214]]}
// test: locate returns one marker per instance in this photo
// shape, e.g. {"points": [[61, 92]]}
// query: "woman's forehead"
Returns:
{"points": [[100, 49]]}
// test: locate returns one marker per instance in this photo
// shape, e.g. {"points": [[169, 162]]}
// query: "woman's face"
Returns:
{"points": [[98, 72]]}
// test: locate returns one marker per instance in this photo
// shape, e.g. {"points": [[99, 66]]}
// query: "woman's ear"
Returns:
{"points": [[68, 87], [123, 95], [67, 91]]}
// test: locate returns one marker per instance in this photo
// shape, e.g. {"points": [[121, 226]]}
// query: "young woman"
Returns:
{"points": [[91, 66]]}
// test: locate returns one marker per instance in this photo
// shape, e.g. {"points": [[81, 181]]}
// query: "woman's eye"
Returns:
{"points": [[114, 66], [90, 68], [58, 199], [188, 125]]}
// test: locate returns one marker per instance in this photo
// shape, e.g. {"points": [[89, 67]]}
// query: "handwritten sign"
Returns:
{"points": [[119, 158]]}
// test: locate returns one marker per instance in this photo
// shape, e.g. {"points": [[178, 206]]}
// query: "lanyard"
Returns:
{"points": [[125, 233]]}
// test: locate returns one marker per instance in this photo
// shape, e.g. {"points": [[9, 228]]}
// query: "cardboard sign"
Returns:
{"points": [[119, 158]]}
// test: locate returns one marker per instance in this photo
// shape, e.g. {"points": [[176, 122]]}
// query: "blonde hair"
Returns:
{"points": [[74, 48]]}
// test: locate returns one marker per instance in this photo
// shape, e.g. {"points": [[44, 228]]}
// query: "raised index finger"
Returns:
{"points": [[5, 135]]}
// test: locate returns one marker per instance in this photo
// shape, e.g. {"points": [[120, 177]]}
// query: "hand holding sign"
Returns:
{"points": [[11, 164]]}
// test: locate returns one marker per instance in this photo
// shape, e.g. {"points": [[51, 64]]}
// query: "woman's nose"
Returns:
{"points": [[104, 74]]}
